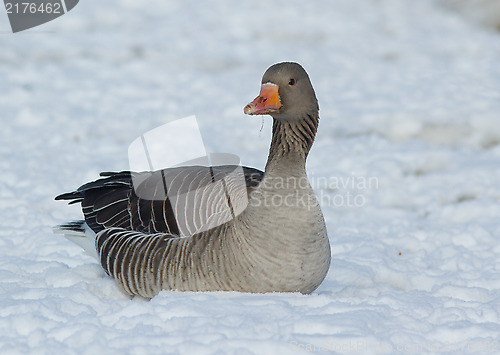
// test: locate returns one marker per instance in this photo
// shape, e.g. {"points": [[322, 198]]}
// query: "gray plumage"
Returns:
{"points": [[278, 243]]}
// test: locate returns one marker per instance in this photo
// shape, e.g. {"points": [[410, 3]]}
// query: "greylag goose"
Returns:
{"points": [[278, 243]]}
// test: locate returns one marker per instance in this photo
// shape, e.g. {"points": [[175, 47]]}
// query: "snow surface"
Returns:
{"points": [[406, 165]]}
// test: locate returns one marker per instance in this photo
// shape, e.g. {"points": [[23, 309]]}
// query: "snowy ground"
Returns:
{"points": [[406, 165]]}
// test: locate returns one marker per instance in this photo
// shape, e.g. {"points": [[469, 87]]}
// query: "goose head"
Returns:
{"points": [[286, 94]]}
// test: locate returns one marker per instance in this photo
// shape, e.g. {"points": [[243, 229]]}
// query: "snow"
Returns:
{"points": [[406, 165]]}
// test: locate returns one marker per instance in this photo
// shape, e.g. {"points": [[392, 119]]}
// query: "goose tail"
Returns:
{"points": [[79, 233]]}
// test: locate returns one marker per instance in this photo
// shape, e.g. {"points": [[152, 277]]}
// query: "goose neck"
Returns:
{"points": [[291, 142]]}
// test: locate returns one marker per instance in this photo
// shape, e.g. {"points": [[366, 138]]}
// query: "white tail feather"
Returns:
{"points": [[80, 234]]}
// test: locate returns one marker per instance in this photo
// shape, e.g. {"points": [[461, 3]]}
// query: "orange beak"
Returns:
{"points": [[266, 103]]}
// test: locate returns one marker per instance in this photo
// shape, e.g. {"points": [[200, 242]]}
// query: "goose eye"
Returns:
{"points": [[291, 82]]}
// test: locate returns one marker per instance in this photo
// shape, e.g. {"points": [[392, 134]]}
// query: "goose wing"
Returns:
{"points": [[179, 201]]}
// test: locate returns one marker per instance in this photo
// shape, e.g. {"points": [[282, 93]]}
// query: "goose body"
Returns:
{"points": [[278, 243]]}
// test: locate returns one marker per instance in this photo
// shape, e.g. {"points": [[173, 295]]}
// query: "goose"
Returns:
{"points": [[278, 243]]}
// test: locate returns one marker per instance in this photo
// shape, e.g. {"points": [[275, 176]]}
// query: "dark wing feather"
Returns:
{"points": [[112, 200]]}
